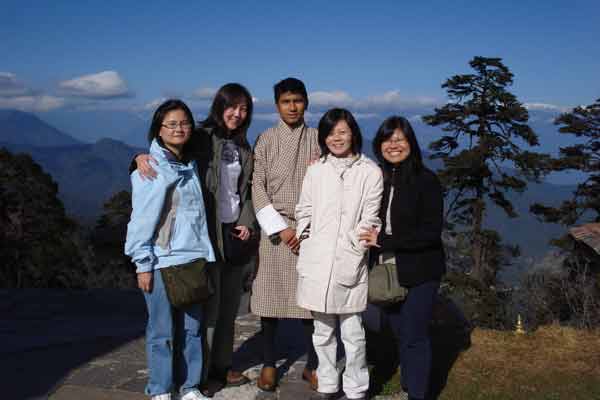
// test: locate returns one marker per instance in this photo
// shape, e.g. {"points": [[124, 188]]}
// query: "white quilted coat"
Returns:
{"points": [[332, 266]]}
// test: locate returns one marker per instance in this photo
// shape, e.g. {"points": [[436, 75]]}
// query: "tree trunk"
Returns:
{"points": [[477, 246]]}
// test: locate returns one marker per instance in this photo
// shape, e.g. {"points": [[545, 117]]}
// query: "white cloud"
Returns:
{"points": [[415, 118], [359, 115], [204, 93], [330, 99], [103, 85], [15, 94], [394, 100], [153, 105], [33, 103], [385, 102], [545, 107], [10, 86]]}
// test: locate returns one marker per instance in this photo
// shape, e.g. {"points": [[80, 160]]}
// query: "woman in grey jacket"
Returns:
{"points": [[225, 167]]}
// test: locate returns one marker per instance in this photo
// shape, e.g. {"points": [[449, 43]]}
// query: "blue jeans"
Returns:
{"points": [[410, 323], [173, 341]]}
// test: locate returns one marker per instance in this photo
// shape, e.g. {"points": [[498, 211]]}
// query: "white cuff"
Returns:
{"points": [[270, 220]]}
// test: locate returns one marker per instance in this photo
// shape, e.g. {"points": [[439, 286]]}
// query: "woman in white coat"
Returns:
{"points": [[340, 198]]}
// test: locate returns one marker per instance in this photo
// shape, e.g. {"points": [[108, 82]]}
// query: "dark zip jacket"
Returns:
{"points": [[417, 211]]}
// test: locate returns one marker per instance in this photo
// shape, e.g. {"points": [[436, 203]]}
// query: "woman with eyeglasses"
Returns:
{"points": [[225, 164], [167, 230], [412, 214]]}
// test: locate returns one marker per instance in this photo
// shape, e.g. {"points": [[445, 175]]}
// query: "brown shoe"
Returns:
{"points": [[310, 375], [268, 379], [236, 378]]}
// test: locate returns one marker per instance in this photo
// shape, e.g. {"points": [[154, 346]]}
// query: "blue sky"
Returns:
{"points": [[75, 63]]}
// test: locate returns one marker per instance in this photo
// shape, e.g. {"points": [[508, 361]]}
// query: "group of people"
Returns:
{"points": [[322, 213]]}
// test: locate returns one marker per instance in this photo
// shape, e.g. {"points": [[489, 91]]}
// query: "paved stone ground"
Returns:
{"points": [[122, 372], [67, 345]]}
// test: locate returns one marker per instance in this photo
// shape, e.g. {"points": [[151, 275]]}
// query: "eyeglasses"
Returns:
{"points": [[394, 140], [174, 124]]}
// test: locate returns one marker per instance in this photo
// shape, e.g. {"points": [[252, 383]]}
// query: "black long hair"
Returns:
{"points": [[413, 164], [230, 95], [159, 116], [329, 120]]}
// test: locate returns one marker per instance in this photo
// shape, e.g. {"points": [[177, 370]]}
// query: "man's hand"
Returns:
{"points": [[145, 281], [288, 236], [144, 166]]}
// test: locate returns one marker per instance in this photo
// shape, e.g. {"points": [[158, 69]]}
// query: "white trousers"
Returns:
{"points": [[356, 375]]}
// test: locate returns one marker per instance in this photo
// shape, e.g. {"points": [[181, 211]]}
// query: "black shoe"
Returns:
{"points": [[323, 396], [210, 387]]}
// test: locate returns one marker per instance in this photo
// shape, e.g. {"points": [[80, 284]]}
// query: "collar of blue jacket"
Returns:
{"points": [[162, 155]]}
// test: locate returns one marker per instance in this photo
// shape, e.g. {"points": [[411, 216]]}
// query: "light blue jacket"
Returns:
{"points": [[168, 222]]}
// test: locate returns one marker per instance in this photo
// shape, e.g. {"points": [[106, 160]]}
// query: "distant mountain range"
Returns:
{"points": [[88, 174], [19, 127]]}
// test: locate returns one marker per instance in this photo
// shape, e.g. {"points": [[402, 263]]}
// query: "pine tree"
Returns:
{"points": [[108, 240], [485, 127], [38, 242], [580, 286], [584, 206]]}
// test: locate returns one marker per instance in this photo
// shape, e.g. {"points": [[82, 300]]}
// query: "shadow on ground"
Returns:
{"points": [[450, 335], [290, 347], [46, 333], [60, 341]]}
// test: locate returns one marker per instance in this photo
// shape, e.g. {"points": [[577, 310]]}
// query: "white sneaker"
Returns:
{"points": [[194, 394], [164, 396]]}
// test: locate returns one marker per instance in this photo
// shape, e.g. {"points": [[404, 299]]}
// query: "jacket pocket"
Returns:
{"points": [[187, 233], [350, 270]]}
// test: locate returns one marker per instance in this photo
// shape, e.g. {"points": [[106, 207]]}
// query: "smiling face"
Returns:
{"points": [[176, 136], [291, 107], [235, 115], [339, 141], [395, 148]]}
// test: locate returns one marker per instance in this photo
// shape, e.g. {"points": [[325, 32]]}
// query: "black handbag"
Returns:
{"points": [[239, 252], [187, 284]]}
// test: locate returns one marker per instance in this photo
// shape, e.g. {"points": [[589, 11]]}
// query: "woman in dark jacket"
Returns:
{"points": [[225, 165], [412, 215]]}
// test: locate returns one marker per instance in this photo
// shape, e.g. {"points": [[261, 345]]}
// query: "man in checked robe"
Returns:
{"points": [[282, 155]]}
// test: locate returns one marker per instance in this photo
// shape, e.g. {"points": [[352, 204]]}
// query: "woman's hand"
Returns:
{"points": [[144, 166], [243, 232], [370, 237], [145, 281]]}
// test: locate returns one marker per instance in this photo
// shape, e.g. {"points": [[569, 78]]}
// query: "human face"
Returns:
{"points": [[291, 107], [395, 148], [339, 140], [235, 115], [175, 138]]}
